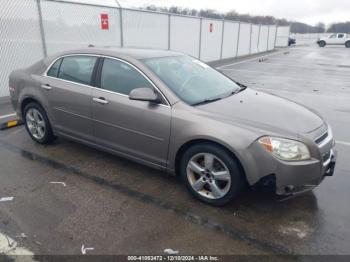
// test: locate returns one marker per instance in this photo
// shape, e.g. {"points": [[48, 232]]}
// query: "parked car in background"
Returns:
{"points": [[335, 39], [175, 113], [291, 41]]}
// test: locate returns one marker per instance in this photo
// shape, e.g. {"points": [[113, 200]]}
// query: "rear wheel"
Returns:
{"points": [[347, 44], [322, 43], [37, 124], [211, 174]]}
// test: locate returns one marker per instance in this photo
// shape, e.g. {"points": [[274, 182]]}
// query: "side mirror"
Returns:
{"points": [[144, 94]]}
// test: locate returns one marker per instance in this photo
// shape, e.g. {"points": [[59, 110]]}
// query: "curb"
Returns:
{"points": [[10, 123]]}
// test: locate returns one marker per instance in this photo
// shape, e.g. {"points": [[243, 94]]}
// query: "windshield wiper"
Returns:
{"points": [[242, 87], [207, 101]]}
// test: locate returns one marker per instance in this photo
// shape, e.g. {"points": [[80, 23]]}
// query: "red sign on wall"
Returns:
{"points": [[104, 22], [211, 27]]}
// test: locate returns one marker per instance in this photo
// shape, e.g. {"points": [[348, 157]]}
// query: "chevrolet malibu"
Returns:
{"points": [[175, 113]]}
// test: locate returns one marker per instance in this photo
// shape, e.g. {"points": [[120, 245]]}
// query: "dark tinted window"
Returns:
{"points": [[53, 71], [340, 35], [77, 69], [121, 78]]}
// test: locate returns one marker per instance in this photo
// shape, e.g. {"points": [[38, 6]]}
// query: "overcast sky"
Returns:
{"points": [[307, 11]]}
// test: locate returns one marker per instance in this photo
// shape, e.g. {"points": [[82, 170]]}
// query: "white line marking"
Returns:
{"points": [[251, 59], [5, 199], [4, 116], [84, 249], [61, 183], [170, 251], [10, 247], [343, 143]]}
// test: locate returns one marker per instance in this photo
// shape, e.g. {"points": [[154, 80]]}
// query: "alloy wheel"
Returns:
{"points": [[35, 123], [208, 176]]}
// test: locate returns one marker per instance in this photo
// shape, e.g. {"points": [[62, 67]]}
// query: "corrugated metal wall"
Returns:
{"points": [[25, 38]]}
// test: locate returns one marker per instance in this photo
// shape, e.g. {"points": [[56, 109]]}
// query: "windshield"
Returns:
{"points": [[191, 80]]}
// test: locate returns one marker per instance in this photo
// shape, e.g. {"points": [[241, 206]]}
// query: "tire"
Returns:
{"points": [[230, 183], [347, 44], [35, 118], [322, 44]]}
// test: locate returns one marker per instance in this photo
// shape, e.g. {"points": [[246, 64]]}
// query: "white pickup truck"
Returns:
{"points": [[335, 39]]}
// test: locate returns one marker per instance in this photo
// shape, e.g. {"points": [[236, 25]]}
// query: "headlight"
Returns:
{"points": [[285, 149]]}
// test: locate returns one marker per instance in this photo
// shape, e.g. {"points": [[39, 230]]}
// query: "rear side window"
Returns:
{"points": [[77, 69], [53, 71], [121, 78], [340, 35]]}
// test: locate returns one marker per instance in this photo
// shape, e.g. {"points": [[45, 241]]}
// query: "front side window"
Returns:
{"points": [[333, 36], [121, 78], [77, 69], [53, 71], [191, 80]]}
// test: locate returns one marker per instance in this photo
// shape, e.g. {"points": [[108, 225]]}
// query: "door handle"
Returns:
{"points": [[100, 100], [46, 86]]}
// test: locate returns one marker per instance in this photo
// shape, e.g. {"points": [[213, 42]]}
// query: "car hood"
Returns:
{"points": [[264, 111]]}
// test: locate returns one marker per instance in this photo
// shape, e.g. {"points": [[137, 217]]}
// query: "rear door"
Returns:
{"points": [[340, 39], [137, 128], [67, 89]]}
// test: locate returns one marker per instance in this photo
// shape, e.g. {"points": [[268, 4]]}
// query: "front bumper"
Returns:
{"points": [[311, 178], [292, 177]]}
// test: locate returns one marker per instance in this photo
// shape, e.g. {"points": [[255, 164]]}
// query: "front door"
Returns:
{"points": [[332, 39], [137, 128]]}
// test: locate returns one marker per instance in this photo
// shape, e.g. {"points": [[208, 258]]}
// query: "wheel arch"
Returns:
{"points": [[193, 142], [26, 101]]}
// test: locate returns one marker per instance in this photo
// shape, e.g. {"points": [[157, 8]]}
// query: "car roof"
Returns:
{"points": [[135, 53]]}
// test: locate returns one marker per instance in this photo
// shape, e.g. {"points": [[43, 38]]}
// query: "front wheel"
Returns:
{"points": [[347, 44], [322, 44], [211, 174]]}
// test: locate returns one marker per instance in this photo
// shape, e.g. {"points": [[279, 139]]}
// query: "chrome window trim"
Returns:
{"points": [[62, 56], [108, 91]]}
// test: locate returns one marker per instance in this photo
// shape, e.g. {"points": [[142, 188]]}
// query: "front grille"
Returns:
{"points": [[321, 138]]}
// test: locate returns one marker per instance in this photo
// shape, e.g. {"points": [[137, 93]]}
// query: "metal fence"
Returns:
{"points": [[308, 39], [33, 29]]}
